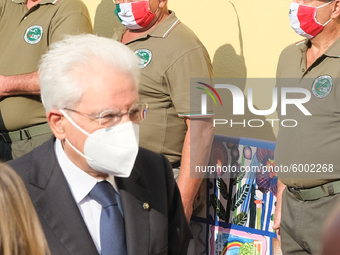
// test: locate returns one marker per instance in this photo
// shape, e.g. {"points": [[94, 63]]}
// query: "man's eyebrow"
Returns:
{"points": [[110, 110]]}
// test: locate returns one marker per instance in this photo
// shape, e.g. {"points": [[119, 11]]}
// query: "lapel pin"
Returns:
{"points": [[146, 206]]}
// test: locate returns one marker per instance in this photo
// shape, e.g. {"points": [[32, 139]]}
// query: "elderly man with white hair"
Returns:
{"points": [[94, 189]]}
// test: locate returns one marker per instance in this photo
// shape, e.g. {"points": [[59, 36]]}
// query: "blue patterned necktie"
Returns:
{"points": [[112, 232]]}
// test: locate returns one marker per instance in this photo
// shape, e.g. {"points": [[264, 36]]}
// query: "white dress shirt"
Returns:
{"points": [[80, 184]]}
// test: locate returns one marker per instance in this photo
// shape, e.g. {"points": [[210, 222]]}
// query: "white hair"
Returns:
{"points": [[59, 87]]}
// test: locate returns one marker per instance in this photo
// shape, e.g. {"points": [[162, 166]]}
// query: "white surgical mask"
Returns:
{"points": [[112, 150]]}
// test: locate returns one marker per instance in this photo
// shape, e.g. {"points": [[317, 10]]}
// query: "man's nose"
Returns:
{"points": [[298, 1], [125, 118]]}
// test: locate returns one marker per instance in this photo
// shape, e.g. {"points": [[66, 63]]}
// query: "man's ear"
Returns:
{"points": [[336, 10], [56, 120], [162, 3]]}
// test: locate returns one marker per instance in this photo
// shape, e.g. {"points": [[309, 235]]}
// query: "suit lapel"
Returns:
{"points": [[56, 206], [135, 200], [57, 209]]}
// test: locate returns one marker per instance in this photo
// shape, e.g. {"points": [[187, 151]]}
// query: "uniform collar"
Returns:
{"points": [[332, 51], [303, 45], [163, 29], [41, 3]]}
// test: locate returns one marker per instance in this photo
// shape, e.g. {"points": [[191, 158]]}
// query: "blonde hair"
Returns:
{"points": [[20, 229]]}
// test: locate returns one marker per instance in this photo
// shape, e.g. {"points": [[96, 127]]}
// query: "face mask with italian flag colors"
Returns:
{"points": [[134, 15], [303, 19]]}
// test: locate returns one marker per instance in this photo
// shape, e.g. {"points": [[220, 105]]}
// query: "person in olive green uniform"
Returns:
{"points": [[330, 236], [27, 28], [309, 191], [170, 54]]}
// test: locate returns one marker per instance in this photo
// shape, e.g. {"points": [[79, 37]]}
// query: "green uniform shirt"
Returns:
{"points": [[170, 54], [25, 36], [315, 142]]}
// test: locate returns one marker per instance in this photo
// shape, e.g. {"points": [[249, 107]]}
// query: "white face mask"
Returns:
{"points": [[113, 150]]}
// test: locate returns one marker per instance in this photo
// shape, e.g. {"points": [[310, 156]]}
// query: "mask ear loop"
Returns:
{"points": [[81, 154], [327, 22], [325, 4], [73, 123], [80, 129], [319, 8], [149, 7]]}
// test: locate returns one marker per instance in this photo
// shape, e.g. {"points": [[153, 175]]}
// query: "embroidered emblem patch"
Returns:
{"points": [[322, 86], [144, 56], [33, 34]]}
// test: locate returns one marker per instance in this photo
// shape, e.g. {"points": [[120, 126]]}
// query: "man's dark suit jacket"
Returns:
{"points": [[160, 229]]}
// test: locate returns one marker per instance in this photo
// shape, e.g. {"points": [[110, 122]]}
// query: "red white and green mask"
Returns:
{"points": [[134, 15]]}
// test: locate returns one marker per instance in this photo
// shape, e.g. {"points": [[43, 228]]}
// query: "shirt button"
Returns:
{"points": [[303, 70]]}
